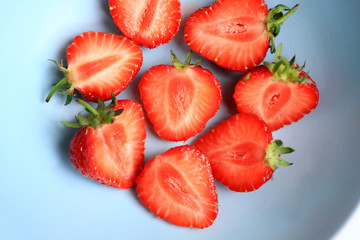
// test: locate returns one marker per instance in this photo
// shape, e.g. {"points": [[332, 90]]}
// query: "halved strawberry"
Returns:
{"points": [[179, 187], [235, 34], [241, 152], [280, 93], [179, 99], [99, 64], [148, 22], [109, 148]]}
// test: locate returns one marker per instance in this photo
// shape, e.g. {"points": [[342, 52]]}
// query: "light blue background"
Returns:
{"points": [[44, 197]]}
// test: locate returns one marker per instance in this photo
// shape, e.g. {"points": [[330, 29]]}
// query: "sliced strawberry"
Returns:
{"points": [[235, 34], [100, 64], [279, 97], [241, 152], [178, 186], [148, 22], [113, 153], [179, 100]]}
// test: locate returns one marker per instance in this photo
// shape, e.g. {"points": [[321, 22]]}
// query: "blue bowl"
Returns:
{"points": [[44, 197]]}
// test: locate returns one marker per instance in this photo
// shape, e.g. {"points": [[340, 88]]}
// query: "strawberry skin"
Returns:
{"points": [[149, 23], [101, 63], [114, 153], [278, 103], [235, 34], [231, 33], [179, 102], [179, 187], [236, 150]]}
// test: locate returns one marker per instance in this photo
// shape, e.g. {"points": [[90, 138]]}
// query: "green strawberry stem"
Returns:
{"points": [[187, 64], [71, 125], [63, 83], [273, 152], [88, 107], [274, 21], [286, 71], [97, 117], [58, 85], [60, 65], [284, 17]]}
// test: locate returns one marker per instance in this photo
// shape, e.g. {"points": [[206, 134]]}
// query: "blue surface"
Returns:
{"points": [[44, 197]]}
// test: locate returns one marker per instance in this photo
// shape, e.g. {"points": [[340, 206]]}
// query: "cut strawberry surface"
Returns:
{"points": [[113, 153], [100, 64], [235, 34], [241, 152], [178, 186], [148, 22], [179, 100], [229, 33], [279, 95]]}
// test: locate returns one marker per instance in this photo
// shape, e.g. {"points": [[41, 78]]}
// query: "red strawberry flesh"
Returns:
{"points": [[278, 103], [114, 153], [149, 23], [178, 186], [101, 63], [179, 103], [236, 150], [230, 33]]}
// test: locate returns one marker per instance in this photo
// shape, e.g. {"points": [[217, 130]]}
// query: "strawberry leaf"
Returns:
{"points": [[96, 117], [274, 21], [273, 152], [286, 71], [62, 84], [71, 125], [82, 120], [118, 112], [68, 99], [187, 64]]}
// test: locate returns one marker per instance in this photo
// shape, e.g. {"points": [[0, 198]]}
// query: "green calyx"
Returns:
{"points": [[286, 71], [275, 18], [187, 64], [97, 117], [63, 86], [273, 152]]}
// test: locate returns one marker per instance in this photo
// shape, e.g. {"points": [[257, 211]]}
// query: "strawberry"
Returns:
{"points": [[235, 34], [241, 152], [109, 147], [149, 23], [179, 187], [99, 64], [280, 93], [179, 99]]}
